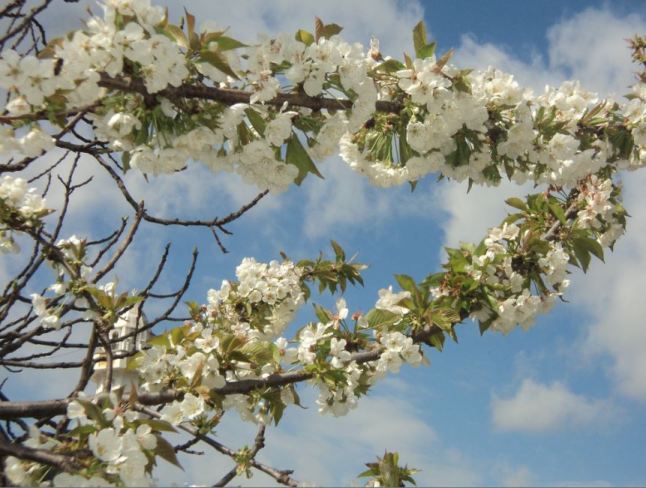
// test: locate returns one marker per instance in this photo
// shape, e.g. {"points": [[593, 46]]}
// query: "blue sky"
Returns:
{"points": [[560, 404]]}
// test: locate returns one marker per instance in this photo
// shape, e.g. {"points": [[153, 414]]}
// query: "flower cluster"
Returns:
{"points": [[20, 208], [179, 365], [32, 144], [343, 378], [508, 275], [25, 473], [499, 273], [123, 445], [521, 267], [398, 349], [598, 212], [389, 301], [74, 288], [477, 125], [272, 289], [339, 399], [228, 341], [48, 317], [491, 128]]}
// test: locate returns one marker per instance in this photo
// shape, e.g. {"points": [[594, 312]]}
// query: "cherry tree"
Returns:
{"points": [[134, 92]]}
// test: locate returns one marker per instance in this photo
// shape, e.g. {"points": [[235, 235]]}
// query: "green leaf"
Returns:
{"points": [[461, 82], [256, 120], [260, 352], [377, 317], [318, 28], [405, 151], [483, 326], [298, 156], [244, 133], [297, 399], [369, 472], [390, 66], [445, 318], [276, 405], [194, 41], [389, 470], [277, 409], [437, 341], [228, 43], [177, 35], [452, 334], [558, 212], [516, 203], [406, 283], [134, 362], [325, 31], [444, 59], [160, 340], [177, 334], [623, 141], [434, 279], [209, 37], [166, 451], [322, 314], [215, 58], [101, 297], [92, 411], [190, 22], [427, 51], [125, 161], [197, 376], [338, 251], [159, 425], [304, 36], [330, 30], [511, 218], [408, 61], [82, 430], [238, 356], [582, 255], [590, 245], [419, 38]]}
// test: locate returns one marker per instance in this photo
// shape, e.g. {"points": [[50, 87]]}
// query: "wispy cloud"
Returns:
{"points": [[537, 407]]}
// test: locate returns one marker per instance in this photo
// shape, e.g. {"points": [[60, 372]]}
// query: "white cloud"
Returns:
{"points": [[363, 435], [592, 47], [468, 216], [536, 407], [345, 199], [585, 484], [389, 20], [516, 476], [534, 74], [197, 192]]}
